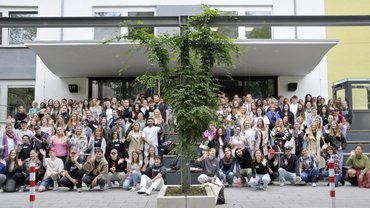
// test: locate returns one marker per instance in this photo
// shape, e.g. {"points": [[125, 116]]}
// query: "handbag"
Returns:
{"points": [[176, 163]]}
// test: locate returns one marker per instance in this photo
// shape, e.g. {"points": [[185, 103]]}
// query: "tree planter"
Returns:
{"points": [[208, 201]]}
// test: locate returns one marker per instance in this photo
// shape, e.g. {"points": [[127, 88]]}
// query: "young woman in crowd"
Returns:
{"points": [[59, 141], [133, 172], [14, 175], [279, 135], [330, 153], [136, 141], [227, 164], [286, 112], [260, 171], [237, 140], [262, 137], [249, 134], [218, 142], [97, 140], [149, 159], [359, 171]]}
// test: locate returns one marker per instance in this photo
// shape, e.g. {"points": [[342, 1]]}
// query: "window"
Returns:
{"points": [[360, 96], [229, 31], [21, 35], [1, 32], [111, 32], [119, 88], [263, 32], [14, 95], [105, 33], [141, 14]]}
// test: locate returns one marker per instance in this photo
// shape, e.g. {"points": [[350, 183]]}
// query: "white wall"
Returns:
{"points": [[50, 86]]}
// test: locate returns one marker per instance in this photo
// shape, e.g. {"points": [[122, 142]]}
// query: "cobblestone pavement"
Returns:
{"points": [[288, 197]]}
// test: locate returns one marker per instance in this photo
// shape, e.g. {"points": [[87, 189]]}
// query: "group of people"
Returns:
{"points": [[258, 141], [96, 143], [118, 143]]}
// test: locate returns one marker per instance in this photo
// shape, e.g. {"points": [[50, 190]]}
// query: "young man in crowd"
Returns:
{"points": [[155, 179], [96, 170], [289, 167], [54, 167]]}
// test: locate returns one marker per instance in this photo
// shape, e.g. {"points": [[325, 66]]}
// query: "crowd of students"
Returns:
{"points": [[117, 142]]}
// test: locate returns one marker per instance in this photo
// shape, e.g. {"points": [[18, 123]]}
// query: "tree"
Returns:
{"points": [[188, 86]]}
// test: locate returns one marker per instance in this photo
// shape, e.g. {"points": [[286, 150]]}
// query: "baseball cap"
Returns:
{"points": [[271, 151]]}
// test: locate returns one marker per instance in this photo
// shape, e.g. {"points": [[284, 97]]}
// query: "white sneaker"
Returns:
{"points": [[142, 190], [79, 190], [21, 188], [298, 180], [282, 184], [313, 184], [148, 191], [133, 188]]}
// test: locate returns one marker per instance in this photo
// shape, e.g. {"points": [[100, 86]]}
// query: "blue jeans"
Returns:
{"points": [[310, 174], [132, 179], [337, 178], [229, 177], [287, 176]]}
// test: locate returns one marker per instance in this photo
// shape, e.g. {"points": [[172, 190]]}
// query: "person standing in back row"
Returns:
{"points": [[150, 135]]}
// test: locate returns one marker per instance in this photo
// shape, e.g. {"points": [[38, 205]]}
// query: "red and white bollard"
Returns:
{"points": [[32, 185], [331, 183]]}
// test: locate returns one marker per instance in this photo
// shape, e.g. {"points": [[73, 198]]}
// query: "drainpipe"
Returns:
{"points": [[295, 14], [62, 15]]}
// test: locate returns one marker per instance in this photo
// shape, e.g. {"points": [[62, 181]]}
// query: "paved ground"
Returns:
{"points": [[287, 197]]}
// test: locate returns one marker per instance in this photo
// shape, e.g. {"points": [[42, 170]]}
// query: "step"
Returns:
{"points": [[174, 177], [358, 136], [168, 159], [352, 146]]}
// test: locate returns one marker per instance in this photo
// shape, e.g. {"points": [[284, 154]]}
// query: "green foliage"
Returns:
{"points": [[188, 86]]}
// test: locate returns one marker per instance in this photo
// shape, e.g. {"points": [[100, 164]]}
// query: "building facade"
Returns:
{"points": [[53, 59]]}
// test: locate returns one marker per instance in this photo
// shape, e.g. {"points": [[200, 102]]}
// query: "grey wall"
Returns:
{"points": [[175, 10], [17, 63]]}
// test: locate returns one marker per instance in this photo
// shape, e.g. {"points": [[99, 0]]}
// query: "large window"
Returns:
{"points": [[263, 32], [105, 33], [105, 88], [21, 35], [19, 96], [111, 32], [229, 31]]}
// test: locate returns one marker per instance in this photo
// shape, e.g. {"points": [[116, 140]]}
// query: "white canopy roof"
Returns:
{"points": [[259, 58]]}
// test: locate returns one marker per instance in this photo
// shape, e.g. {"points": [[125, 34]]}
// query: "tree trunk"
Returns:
{"points": [[185, 175]]}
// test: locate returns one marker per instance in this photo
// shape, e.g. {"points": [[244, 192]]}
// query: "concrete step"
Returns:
{"points": [[174, 177], [353, 135], [168, 159], [352, 145]]}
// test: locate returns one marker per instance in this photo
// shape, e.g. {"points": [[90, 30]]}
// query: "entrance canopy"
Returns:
{"points": [[259, 58]]}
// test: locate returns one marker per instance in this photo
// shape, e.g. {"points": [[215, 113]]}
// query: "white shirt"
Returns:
{"points": [[151, 134], [293, 108]]}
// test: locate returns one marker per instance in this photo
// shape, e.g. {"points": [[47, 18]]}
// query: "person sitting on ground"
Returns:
{"points": [[39, 169], [273, 165], [155, 178], [117, 167], [133, 172], [73, 172], [211, 167], [260, 171], [13, 172], [2, 172], [331, 154], [243, 164], [227, 164], [359, 172], [289, 168], [308, 168], [96, 170], [54, 167]]}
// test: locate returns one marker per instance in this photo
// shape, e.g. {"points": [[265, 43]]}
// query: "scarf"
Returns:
{"points": [[7, 135]]}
